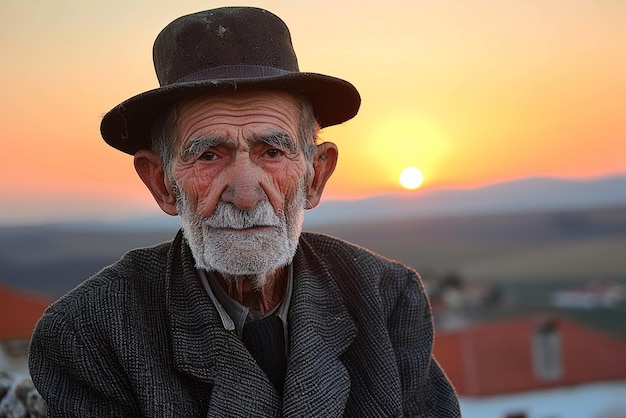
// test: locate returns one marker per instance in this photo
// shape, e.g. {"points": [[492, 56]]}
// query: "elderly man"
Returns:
{"points": [[241, 314]]}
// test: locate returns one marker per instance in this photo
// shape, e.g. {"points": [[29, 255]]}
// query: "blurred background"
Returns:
{"points": [[511, 115]]}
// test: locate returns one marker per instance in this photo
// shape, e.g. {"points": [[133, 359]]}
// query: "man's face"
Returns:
{"points": [[239, 176]]}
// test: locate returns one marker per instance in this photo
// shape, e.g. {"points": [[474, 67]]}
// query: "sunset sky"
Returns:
{"points": [[471, 92]]}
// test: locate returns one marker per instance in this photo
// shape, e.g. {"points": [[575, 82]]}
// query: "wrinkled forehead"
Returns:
{"points": [[257, 112]]}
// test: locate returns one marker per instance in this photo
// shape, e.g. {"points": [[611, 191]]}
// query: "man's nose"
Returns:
{"points": [[244, 186]]}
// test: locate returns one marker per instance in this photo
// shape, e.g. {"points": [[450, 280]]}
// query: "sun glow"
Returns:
{"points": [[411, 178]]}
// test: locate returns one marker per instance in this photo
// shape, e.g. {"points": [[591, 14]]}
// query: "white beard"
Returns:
{"points": [[217, 245]]}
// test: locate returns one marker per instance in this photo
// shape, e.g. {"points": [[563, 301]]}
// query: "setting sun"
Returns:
{"points": [[411, 178]]}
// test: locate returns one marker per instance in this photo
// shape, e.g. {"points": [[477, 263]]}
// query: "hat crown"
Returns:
{"points": [[215, 40]]}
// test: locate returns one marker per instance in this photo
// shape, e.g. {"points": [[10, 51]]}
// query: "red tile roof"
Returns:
{"points": [[497, 357], [19, 312]]}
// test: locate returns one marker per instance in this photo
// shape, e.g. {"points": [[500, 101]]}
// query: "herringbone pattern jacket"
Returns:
{"points": [[141, 338]]}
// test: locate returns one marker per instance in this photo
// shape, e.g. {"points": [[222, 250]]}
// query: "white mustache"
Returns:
{"points": [[226, 215]]}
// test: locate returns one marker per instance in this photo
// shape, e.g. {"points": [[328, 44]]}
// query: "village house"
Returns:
{"points": [[535, 367], [19, 312]]}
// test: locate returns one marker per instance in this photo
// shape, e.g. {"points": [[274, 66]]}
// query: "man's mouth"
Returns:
{"points": [[248, 229]]}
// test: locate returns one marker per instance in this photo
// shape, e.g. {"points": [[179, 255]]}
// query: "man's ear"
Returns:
{"points": [[324, 163], [150, 169]]}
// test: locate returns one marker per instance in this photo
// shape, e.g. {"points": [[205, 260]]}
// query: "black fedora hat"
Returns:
{"points": [[224, 50]]}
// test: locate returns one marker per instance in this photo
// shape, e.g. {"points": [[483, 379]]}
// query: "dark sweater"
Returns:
{"points": [[264, 339]]}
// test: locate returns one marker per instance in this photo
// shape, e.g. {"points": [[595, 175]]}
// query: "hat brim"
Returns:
{"points": [[127, 126]]}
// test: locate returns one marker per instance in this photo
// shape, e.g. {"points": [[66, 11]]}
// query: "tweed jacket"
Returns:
{"points": [[142, 338]]}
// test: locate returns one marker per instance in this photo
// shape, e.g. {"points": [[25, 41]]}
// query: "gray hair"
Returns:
{"points": [[164, 135]]}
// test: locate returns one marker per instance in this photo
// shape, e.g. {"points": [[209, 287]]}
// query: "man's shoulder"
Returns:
{"points": [[133, 269], [144, 258], [359, 271], [136, 262], [335, 249]]}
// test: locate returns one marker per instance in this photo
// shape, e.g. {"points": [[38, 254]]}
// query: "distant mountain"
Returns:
{"points": [[520, 196]]}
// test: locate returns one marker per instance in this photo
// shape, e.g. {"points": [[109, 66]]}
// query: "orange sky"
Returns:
{"points": [[471, 92]]}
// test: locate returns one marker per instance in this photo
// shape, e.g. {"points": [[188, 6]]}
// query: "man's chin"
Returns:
{"points": [[246, 253], [246, 264]]}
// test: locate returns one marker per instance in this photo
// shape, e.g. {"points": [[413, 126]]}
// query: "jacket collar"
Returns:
{"points": [[203, 349]]}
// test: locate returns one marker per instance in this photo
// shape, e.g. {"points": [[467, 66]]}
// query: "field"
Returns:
{"points": [[534, 246]]}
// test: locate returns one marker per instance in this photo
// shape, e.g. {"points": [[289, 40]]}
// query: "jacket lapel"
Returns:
{"points": [[203, 349], [320, 330]]}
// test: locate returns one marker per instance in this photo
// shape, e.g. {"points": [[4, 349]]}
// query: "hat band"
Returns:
{"points": [[233, 71]]}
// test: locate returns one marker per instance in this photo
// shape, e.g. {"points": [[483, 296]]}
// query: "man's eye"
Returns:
{"points": [[273, 153], [208, 156]]}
